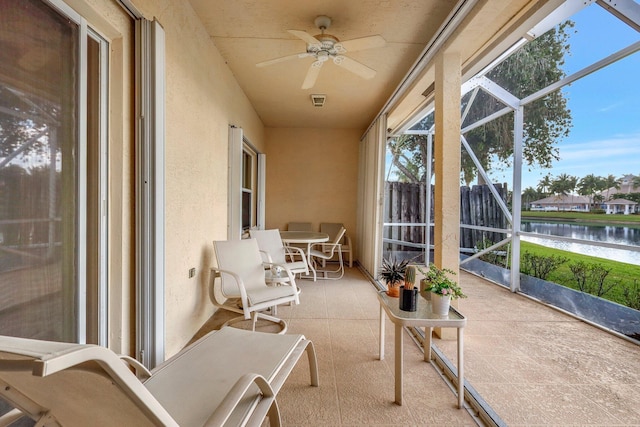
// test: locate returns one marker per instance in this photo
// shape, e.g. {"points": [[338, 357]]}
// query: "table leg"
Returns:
{"points": [[399, 349], [460, 368], [426, 344], [313, 270], [381, 353]]}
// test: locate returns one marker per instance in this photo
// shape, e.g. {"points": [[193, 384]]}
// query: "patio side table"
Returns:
{"points": [[422, 317]]}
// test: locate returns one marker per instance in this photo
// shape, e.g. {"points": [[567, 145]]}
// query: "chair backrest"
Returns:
{"points": [[76, 384], [299, 226], [269, 241], [243, 258], [339, 235], [332, 229], [334, 243]]}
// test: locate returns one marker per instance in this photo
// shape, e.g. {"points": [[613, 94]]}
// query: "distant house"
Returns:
{"points": [[621, 206], [563, 202], [626, 187]]}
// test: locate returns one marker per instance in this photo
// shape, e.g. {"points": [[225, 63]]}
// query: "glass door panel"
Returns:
{"points": [[39, 94]]}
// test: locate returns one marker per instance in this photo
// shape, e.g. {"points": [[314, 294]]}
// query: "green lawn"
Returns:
{"points": [[622, 273]]}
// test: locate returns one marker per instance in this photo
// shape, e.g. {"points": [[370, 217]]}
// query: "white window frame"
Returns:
{"points": [[81, 301], [238, 145]]}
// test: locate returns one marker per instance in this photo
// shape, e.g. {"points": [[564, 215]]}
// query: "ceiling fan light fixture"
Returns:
{"points": [[318, 100], [322, 22]]}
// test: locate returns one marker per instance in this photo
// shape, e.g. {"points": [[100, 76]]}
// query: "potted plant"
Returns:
{"points": [[442, 288], [392, 272], [408, 292]]}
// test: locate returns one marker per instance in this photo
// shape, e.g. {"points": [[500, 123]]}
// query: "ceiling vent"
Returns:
{"points": [[318, 100]]}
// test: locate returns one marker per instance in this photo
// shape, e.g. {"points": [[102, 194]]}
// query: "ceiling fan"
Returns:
{"points": [[323, 47]]}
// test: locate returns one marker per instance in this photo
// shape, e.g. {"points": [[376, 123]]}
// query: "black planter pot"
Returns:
{"points": [[408, 299]]}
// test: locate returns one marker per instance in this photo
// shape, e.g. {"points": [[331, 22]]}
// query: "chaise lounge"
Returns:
{"points": [[219, 380]]}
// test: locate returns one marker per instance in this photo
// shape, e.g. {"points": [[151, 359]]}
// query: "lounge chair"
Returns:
{"points": [[228, 377]]}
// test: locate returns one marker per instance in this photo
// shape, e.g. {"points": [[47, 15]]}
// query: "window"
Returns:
{"points": [[249, 173], [246, 185]]}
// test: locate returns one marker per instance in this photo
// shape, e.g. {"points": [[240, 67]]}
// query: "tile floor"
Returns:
{"points": [[532, 364]]}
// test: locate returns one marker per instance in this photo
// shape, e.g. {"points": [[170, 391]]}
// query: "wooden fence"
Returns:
{"points": [[406, 203]]}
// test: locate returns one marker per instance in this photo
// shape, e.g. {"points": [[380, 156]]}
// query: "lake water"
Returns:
{"points": [[624, 235]]}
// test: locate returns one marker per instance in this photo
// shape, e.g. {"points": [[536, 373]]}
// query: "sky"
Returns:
{"points": [[605, 106]]}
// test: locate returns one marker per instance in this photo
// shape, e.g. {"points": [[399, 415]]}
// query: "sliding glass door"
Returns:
{"points": [[52, 73]]}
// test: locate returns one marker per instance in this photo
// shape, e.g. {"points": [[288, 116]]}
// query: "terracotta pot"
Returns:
{"points": [[393, 290]]}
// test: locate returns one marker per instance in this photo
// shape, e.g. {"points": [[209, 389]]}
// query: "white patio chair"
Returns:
{"points": [[332, 228], [325, 252], [228, 377], [240, 273], [299, 226], [275, 252]]}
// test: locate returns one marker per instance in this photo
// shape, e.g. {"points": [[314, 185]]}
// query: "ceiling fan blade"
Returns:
{"points": [[354, 66], [282, 59], [312, 75], [361, 44], [306, 37]]}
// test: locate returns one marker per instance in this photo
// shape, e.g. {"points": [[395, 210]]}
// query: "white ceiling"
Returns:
{"points": [[250, 31]]}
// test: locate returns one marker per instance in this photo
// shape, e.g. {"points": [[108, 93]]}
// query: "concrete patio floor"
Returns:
{"points": [[532, 364]]}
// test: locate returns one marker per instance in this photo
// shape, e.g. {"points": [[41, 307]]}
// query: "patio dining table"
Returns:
{"points": [[306, 238]]}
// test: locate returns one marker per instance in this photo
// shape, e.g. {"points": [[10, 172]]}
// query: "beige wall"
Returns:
{"points": [[202, 100], [312, 176]]}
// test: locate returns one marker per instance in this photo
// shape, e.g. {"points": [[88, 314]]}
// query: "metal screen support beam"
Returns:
{"points": [[518, 132], [150, 118]]}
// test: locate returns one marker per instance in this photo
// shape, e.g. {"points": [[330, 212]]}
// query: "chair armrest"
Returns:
{"points": [[293, 251], [237, 393], [286, 269], [141, 371], [325, 245], [237, 278], [11, 417], [266, 257]]}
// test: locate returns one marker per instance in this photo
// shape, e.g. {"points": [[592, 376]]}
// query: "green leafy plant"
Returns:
{"points": [[590, 277], [392, 271], [631, 295], [437, 281], [540, 265]]}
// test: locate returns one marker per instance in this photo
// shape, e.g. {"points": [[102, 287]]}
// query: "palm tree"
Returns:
{"points": [[635, 182], [611, 183], [589, 185], [529, 195], [544, 185], [564, 184]]}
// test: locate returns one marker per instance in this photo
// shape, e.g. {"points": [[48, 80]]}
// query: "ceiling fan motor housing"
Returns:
{"points": [[327, 43]]}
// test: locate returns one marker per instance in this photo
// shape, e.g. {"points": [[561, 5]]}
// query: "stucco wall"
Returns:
{"points": [[203, 99], [312, 176]]}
